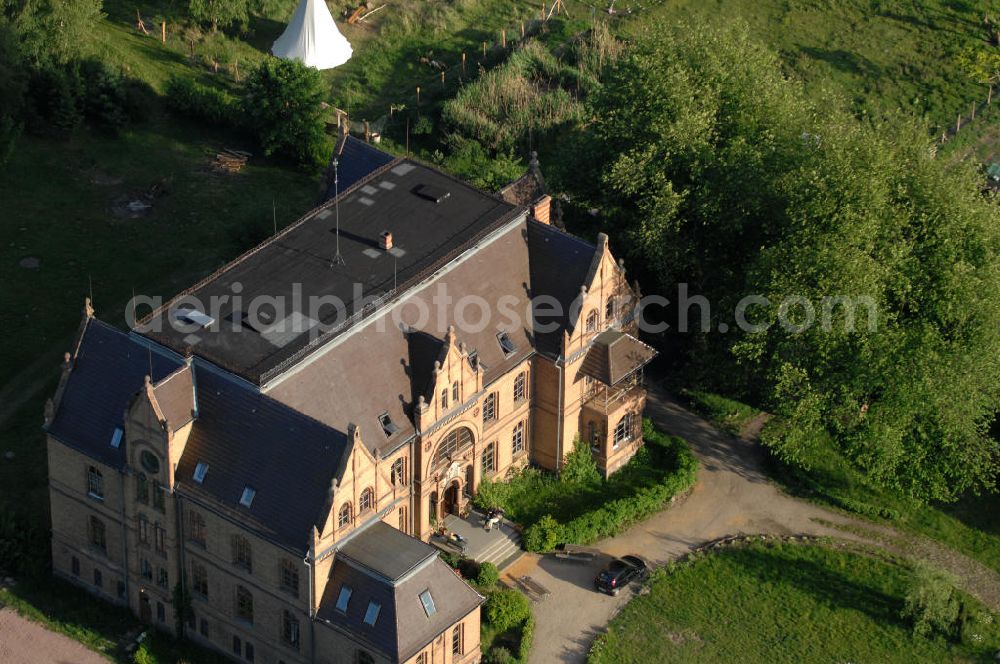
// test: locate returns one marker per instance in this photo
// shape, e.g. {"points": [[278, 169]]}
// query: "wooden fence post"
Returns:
{"points": [[522, 29], [463, 63], [543, 11], [163, 32], [484, 50], [503, 38], [989, 95], [418, 95], [958, 123], [368, 134], [973, 112], [442, 80]]}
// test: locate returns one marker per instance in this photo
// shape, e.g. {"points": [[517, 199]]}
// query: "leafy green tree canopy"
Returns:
{"points": [[728, 177], [282, 104], [220, 13]]}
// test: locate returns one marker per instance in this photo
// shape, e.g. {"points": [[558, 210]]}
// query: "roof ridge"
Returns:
{"points": [[175, 372], [542, 226]]}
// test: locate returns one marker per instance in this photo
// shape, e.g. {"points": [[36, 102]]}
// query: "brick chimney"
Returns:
{"points": [[386, 239], [540, 209]]}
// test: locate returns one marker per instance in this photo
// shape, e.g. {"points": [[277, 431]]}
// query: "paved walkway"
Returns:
{"points": [[733, 496], [26, 642]]}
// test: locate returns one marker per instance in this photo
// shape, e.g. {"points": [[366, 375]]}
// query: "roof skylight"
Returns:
{"points": [[199, 475], [344, 598], [506, 344], [371, 615], [116, 438], [428, 602], [388, 426], [248, 495]]}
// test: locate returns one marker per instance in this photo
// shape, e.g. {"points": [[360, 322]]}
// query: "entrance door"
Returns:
{"points": [[451, 496], [145, 609]]}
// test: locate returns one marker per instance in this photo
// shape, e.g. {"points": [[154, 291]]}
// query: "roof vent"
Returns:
{"points": [[386, 240], [388, 426], [431, 193]]}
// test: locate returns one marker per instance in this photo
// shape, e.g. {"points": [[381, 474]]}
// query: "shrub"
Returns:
{"points": [[507, 608], [488, 575], [282, 103], [527, 637], [142, 655], [932, 604], [499, 655], [580, 466], [544, 535], [201, 102]]}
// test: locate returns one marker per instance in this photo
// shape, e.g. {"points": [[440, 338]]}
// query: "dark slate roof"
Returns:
{"points": [[356, 160], [559, 264], [297, 266], [175, 397], [109, 370], [402, 627], [387, 551], [249, 439], [613, 355]]}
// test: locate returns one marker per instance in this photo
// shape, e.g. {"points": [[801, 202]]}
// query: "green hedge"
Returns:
{"points": [[191, 99], [615, 516]]}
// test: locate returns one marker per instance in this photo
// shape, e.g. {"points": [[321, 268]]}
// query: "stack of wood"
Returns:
{"points": [[230, 161]]}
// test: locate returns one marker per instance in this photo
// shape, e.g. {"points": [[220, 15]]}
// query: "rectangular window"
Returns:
{"points": [[95, 483], [161, 612], [246, 500], [237, 646], [98, 537], [517, 439], [74, 565], [158, 538], [98, 578], [203, 628], [146, 569], [404, 523], [242, 555], [344, 598], [121, 589], [489, 459], [428, 602], [444, 398], [142, 489], [199, 579], [244, 604], [162, 579], [490, 407], [457, 639], [159, 503], [192, 620], [289, 577], [454, 392], [248, 652], [196, 527], [290, 630], [399, 472], [143, 529]]}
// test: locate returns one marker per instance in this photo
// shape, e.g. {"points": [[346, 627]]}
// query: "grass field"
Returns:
{"points": [[789, 603]]}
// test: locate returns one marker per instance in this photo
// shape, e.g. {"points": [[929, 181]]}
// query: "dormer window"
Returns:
{"points": [[474, 359], [246, 500], [371, 614], [388, 426], [506, 344], [199, 473]]}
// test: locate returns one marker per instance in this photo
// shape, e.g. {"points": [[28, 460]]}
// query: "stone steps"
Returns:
{"points": [[506, 548]]}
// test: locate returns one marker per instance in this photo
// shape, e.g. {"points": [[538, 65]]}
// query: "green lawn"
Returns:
{"points": [[789, 603]]}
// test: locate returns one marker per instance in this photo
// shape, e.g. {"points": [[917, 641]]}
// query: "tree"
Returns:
{"points": [[727, 177], [220, 13], [282, 104], [51, 31]]}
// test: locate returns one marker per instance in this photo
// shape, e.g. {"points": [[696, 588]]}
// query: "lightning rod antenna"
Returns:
{"points": [[337, 259]]}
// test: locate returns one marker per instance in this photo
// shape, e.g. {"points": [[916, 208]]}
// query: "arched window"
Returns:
{"points": [[624, 430], [367, 501], [98, 535], [399, 472], [456, 440], [244, 604], [95, 483], [196, 526], [592, 321], [489, 459], [609, 309], [517, 439], [520, 386], [242, 555], [344, 516], [490, 407], [444, 398]]}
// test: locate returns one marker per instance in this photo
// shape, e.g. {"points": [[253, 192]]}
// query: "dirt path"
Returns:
{"points": [[26, 642], [733, 496]]}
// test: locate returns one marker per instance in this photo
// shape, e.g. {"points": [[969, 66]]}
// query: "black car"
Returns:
{"points": [[619, 573]]}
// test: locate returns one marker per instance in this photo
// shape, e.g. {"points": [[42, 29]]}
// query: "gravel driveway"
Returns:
{"points": [[733, 496]]}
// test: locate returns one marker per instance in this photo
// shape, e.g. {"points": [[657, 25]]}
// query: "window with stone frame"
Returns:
{"points": [[197, 530], [454, 393], [592, 321], [290, 577], [489, 459], [625, 429], [199, 579], [458, 639], [521, 386], [610, 310], [159, 503], [159, 534], [98, 534], [367, 500], [142, 489], [242, 553], [162, 579], [146, 569], [517, 439], [95, 483], [455, 441], [290, 630], [490, 408], [444, 399], [244, 604], [345, 516], [398, 473], [142, 528]]}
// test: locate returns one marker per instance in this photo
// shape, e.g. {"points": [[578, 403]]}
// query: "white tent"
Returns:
{"points": [[313, 37]]}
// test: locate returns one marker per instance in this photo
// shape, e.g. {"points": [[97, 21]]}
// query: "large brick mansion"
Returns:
{"points": [[285, 468]]}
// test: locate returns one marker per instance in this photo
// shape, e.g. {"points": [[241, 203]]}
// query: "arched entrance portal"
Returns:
{"points": [[452, 496]]}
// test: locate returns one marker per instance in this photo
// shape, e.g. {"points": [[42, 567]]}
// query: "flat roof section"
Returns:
{"points": [[259, 314]]}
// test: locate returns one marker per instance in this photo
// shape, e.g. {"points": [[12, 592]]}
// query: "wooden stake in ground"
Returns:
{"points": [[139, 24], [522, 29], [236, 70], [418, 95], [368, 134], [503, 39], [463, 63], [163, 32], [989, 95], [442, 80], [484, 50], [973, 112], [958, 123]]}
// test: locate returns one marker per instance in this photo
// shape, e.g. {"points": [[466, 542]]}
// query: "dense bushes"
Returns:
{"points": [[189, 98], [616, 515], [932, 603], [506, 608]]}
